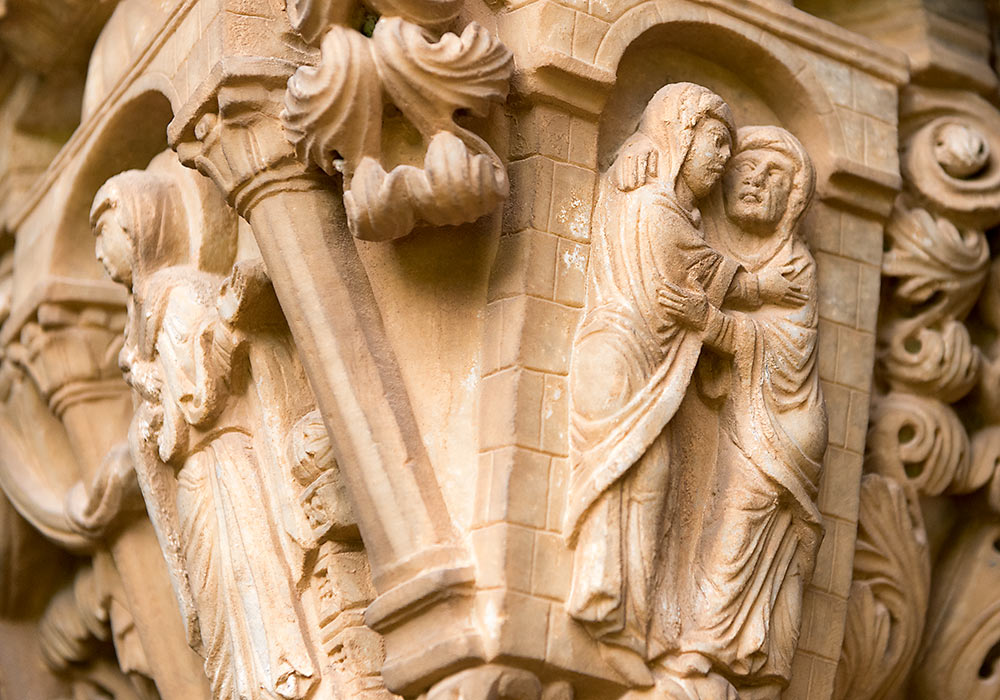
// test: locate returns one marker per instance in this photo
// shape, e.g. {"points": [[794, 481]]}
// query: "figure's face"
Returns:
{"points": [[114, 248], [756, 188], [705, 162]]}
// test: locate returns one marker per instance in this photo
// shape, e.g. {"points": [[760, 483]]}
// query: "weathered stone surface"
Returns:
{"points": [[499, 350]]}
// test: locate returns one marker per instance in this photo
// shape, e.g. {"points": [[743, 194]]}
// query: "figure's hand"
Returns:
{"points": [[689, 306], [776, 287]]}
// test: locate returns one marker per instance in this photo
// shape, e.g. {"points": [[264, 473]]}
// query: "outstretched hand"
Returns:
{"points": [[777, 287], [689, 306]]}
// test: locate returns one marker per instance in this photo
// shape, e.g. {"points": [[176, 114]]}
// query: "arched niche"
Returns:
{"points": [[129, 138], [54, 245], [764, 80]]}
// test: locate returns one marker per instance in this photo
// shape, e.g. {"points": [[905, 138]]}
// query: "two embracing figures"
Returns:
{"points": [[697, 422]]}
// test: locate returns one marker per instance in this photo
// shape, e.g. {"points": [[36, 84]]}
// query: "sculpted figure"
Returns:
{"points": [[761, 528], [186, 361], [633, 362]]}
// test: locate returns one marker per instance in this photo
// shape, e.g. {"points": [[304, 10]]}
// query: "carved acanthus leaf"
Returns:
{"points": [[888, 600], [333, 115], [944, 363], [430, 80], [434, 14], [333, 111], [921, 440], [310, 18], [935, 262], [959, 654]]}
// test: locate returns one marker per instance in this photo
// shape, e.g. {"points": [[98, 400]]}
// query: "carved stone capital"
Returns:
{"points": [[230, 130], [71, 352]]}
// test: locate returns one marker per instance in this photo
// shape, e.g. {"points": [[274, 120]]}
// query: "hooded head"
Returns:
{"points": [[139, 220], [769, 182], [667, 129]]}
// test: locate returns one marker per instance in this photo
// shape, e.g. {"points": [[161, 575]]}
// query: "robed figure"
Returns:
{"points": [[633, 362], [761, 528], [207, 486]]}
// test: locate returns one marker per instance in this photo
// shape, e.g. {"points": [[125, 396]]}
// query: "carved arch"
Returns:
{"points": [[117, 144], [786, 83]]}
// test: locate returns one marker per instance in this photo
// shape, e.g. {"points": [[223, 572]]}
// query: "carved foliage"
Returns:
{"points": [[938, 272], [934, 273], [334, 115], [71, 347], [921, 440], [888, 599], [959, 655], [934, 270], [949, 156]]}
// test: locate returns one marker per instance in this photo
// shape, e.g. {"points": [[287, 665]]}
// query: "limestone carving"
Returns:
{"points": [[932, 437], [182, 360], [334, 114], [889, 595], [651, 404], [664, 296], [217, 387], [345, 585], [958, 655]]}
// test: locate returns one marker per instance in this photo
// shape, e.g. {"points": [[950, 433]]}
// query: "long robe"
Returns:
{"points": [[762, 529], [632, 365], [241, 609]]}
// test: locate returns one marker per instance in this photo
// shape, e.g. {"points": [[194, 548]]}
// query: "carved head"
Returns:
{"points": [[139, 221], [769, 182], [686, 131]]}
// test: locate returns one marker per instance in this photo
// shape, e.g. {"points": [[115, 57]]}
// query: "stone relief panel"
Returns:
{"points": [[678, 341], [697, 421], [235, 470], [562, 150]]}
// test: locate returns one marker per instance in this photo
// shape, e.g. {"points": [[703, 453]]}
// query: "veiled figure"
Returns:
{"points": [[761, 528], [214, 520], [633, 362]]}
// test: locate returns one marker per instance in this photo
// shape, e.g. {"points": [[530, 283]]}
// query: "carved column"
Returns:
{"points": [[231, 132], [928, 509], [69, 349]]}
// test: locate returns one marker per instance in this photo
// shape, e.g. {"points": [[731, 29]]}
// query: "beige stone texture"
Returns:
{"points": [[514, 350]]}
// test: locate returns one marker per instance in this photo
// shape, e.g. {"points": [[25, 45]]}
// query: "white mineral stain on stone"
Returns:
{"points": [[574, 259], [575, 215], [471, 379], [492, 620]]}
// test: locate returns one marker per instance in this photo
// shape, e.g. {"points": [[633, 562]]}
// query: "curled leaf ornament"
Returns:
{"points": [[333, 111], [921, 441], [935, 263], [429, 81], [958, 658], [888, 599], [940, 363]]}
